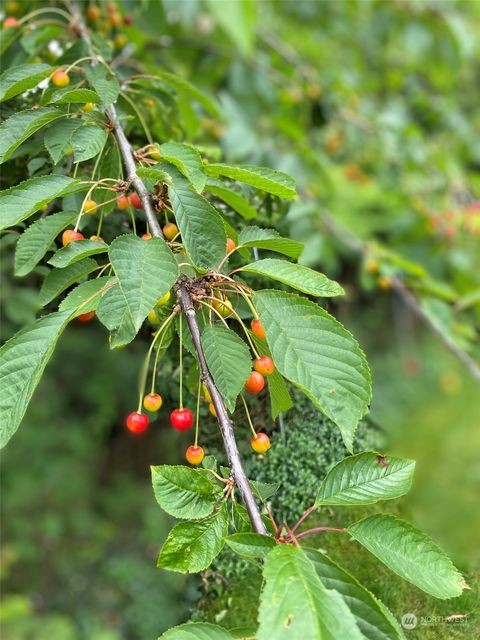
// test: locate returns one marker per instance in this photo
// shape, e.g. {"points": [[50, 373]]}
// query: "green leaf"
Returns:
{"points": [[200, 224], [21, 201], [366, 478], [237, 19], [295, 604], [21, 126], [187, 160], [58, 280], [183, 492], [196, 631], [228, 360], [37, 239], [151, 173], [106, 86], [373, 618], [191, 546], [317, 354], [146, 270], [91, 290], [296, 276], [58, 137], [7, 37], [22, 77], [88, 141], [264, 490], [237, 202], [269, 239], [22, 361], [251, 545], [184, 88], [275, 182], [410, 553], [68, 96], [115, 315], [75, 251]]}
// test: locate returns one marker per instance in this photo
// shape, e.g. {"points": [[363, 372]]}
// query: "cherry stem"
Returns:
{"points": [[245, 330], [310, 532], [197, 416], [214, 311], [144, 375], [157, 358], [180, 341], [248, 416], [304, 517]]}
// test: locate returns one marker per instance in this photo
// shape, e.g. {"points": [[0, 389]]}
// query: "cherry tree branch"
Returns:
{"points": [[184, 300], [405, 294]]}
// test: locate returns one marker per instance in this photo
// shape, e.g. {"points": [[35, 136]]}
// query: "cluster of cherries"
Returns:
{"points": [[182, 418]]}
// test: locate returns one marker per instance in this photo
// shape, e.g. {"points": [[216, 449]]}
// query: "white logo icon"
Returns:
{"points": [[409, 621]]}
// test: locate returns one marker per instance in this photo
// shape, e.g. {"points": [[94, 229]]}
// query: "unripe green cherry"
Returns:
{"points": [[163, 300]]}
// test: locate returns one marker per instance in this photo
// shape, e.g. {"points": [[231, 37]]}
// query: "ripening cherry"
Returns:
{"points": [[115, 19], [206, 393], [10, 22], [146, 236], [153, 317], [194, 455], [70, 235], [255, 382], [371, 266], [134, 200], [88, 106], [181, 419], [384, 283], [137, 422], [97, 238], [163, 300], [260, 443], [121, 40], [264, 365], [60, 78], [90, 207], [86, 317], [257, 328], [211, 408], [123, 202], [152, 402], [223, 306], [127, 20], [170, 230], [93, 12], [12, 7], [230, 245]]}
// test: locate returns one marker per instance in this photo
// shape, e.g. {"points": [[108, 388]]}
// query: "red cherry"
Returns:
{"points": [[181, 419], [264, 365], [137, 422], [194, 455], [147, 236], [260, 443], [230, 245], [255, 382], [123, 202], [257, 328], [10, 22], [170, 230], [127, 20], [135, 201], [152, 402], [70, 235], [86, 317]]}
